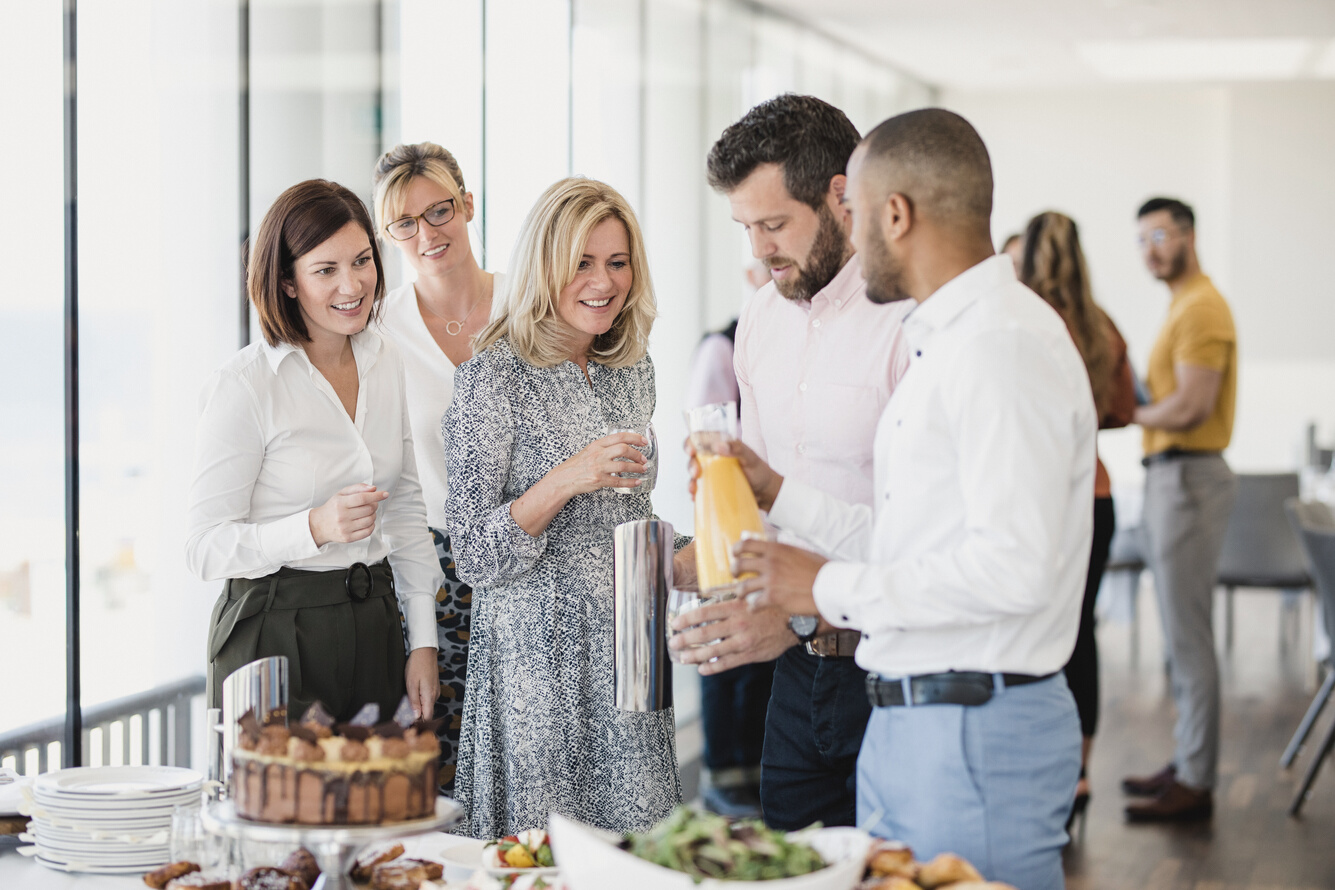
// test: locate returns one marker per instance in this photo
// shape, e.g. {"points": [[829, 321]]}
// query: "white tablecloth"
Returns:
{"points": [[18, 872]]}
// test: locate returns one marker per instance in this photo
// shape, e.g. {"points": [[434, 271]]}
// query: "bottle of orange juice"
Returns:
{"points": [[724, 504]]}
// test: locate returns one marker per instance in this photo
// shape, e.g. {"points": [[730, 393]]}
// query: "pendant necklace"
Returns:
{"points": [[454, 328]]}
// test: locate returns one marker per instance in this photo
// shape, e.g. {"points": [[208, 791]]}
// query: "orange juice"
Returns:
{"points": [[724, 508]]}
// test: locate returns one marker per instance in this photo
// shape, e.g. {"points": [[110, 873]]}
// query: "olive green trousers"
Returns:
{"points": [[340, 630]]}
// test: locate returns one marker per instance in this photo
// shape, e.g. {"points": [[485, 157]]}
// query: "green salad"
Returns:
{"points": [[704, 845]]}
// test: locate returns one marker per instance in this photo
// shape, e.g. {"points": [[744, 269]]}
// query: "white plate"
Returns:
{"points": [[468, 855], [119, 781], [133, 809], [156, 838], [90, 868], [91, 857]]}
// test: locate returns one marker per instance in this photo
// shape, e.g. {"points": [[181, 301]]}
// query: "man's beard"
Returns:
{"points": [[884, 274], [1176, 266], [827, 256]]}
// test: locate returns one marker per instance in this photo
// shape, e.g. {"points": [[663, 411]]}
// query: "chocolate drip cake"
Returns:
{"points": [[319, 773]]}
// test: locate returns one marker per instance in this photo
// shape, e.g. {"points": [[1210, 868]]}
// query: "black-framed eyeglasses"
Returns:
{"points": [[436, 215]]}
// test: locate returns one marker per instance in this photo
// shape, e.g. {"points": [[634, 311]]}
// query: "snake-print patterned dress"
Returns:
{"points": [[540, 730]]}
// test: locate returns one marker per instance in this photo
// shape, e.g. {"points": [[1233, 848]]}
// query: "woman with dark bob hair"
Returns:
{"points": [[306, 499]]}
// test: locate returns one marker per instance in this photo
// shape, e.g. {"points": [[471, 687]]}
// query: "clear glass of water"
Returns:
{"points": [[650, 451]]}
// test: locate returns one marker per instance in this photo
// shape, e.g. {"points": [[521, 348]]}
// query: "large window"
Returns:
{"points": [[192, 118]]}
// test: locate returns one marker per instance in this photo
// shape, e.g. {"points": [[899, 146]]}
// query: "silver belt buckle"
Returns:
{"points": [[811, 650]]}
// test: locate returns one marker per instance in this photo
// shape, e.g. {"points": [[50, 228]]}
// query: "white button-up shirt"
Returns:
{"points": [[974, 553], [274, 441], [814, 377]]}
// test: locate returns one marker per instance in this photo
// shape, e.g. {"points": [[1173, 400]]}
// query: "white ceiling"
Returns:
{"points": [[1005, 44]]}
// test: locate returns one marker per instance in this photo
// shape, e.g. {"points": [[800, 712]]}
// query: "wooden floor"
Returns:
{"points": [[1251, 844]]}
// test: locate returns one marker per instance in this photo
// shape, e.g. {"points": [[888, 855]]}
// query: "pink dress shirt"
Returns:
{"points": [[814, 379]]}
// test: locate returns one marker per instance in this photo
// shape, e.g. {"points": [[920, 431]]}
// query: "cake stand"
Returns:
{"points": [[333, 846]]}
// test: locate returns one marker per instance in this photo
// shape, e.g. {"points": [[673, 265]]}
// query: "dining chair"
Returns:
{"points": [[1315, 524], [1126, 556], [1260, 547]]}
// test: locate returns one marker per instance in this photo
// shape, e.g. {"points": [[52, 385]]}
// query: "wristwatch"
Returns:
{"points": [[804, 627]]}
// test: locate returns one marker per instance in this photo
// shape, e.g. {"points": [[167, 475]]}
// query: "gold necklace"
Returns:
{"points": [[454, 328]]}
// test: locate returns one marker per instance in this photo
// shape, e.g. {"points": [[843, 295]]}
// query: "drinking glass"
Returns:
{"points": [[191, 842], [650, 451]]}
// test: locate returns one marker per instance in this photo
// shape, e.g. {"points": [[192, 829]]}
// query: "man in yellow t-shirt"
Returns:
{"points": [[1189, 490]]}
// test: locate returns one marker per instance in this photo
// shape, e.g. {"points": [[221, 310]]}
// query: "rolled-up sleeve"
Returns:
{"points": [[489, 546], [220, 541]]}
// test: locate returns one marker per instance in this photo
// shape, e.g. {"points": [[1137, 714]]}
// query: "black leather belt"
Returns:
{"points": [[953, 688], [1173, 453]]}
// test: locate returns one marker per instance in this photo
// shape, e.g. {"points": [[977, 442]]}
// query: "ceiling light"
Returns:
{"points": [[1198, 59]]}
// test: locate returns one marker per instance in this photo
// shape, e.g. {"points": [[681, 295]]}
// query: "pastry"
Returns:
{"points": [[947, 868], [268, 878], [158, 878], [198, 880], [301, 863], [404, 874], [369, 859]]}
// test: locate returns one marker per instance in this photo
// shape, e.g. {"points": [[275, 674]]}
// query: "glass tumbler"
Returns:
{"points": [[650, 452]]}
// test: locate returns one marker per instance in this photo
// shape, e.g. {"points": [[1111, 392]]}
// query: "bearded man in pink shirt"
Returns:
{"points": [[816, 362]]}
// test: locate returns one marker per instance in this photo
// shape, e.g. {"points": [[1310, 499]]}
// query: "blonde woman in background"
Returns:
{"points": [[1053, 266], [423, 209], [531, 512]]}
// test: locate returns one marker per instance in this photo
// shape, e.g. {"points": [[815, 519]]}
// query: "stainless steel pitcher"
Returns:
{"points": [[642, 579], [261, 685]]}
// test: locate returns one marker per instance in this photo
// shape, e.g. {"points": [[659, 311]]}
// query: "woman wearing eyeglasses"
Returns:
{"points": [[423, 209]]}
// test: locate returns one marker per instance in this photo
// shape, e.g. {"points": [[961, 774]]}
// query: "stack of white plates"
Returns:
{"points": [[109, 820]]}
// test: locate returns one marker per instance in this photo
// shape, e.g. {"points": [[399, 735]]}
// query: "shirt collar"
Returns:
{"points": [[365, 350], [959, 293], [843, 286]]}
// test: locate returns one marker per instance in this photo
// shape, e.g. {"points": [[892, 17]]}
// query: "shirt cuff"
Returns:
{"points": [[419, 613], [791, 510], [288, 540], [835, 594]]}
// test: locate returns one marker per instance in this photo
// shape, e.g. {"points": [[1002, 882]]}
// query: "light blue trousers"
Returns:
{"points": [[992, 783]]}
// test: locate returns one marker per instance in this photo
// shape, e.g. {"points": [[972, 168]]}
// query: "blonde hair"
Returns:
{"points": [[399, 166], [1054, 268], [546, 258]]}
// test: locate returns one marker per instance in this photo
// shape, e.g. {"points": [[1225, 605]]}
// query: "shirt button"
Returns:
{"points": [[816, 323], [918, 353], [801, 387], [801, 449], [838, 303]]}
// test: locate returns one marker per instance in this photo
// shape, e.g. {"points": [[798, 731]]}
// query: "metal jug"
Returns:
{"points": [[261, 685], [642, 579]]}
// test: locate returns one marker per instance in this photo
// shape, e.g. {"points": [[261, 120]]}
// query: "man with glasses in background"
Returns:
{"points": [[1189, 490]]}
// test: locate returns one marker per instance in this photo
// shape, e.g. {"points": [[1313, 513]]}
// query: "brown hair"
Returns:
{"points": [[1054, 268], [300, 220]]}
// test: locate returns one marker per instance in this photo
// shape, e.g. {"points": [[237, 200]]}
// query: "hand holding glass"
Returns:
{"points": [[725, 508], [650, 452]]}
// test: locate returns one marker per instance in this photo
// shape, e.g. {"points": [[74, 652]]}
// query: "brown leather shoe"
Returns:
{"points": [[1177, 803], [1150, 786]]}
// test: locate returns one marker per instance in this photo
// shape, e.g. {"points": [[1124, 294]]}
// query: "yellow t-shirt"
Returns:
{"points": [[1199, 331]]}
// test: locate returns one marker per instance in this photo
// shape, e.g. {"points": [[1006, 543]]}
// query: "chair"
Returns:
{"points": [[1126, 555], [1315, 524], [1260, 548]]}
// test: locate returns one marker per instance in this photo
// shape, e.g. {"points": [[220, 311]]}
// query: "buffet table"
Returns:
{"points": [[18, 872]]}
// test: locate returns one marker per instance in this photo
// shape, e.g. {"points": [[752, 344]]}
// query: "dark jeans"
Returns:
{"points": [[1082, 671], [732, 710], [817, 715]]}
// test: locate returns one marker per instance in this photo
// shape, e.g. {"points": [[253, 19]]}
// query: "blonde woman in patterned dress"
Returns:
{"points": [[531, 512], [423, 209]]}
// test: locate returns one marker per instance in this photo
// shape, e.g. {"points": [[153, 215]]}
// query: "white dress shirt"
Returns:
{"points": [[814, 377], [430, 379], [274, 441], [975, 551]]}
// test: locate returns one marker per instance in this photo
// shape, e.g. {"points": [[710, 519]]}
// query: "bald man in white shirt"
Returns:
{"points": [[965, 575]]}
